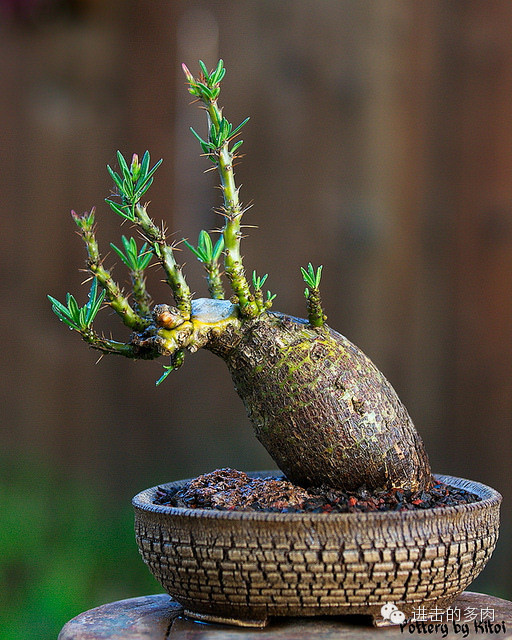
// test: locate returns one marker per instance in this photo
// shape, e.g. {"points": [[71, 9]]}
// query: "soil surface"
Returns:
{"points": [[231, 490]]}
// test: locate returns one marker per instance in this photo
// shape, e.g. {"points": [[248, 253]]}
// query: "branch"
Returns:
{"points": [[311, 277], [116, 299], [209, 256], [133, 182], [220, 134]]}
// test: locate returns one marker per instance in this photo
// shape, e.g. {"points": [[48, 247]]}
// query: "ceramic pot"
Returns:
{"points": [[241, 567]]}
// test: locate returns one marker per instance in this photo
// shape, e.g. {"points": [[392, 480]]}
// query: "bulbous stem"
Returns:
{"points": [[321, 408]]}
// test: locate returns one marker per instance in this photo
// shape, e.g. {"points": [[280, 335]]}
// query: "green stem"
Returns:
{"points": [[115, 297], [214, 281], [233, 214], [112, 346], [165, 254], [140, 295], [316, 314]]}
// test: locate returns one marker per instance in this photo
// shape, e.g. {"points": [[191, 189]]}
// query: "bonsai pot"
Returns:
{"points": [[243, 567]]}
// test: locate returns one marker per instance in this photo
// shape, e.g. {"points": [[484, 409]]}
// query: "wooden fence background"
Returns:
{"points": [[380, 145]]}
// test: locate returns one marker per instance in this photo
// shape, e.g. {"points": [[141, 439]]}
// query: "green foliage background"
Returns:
{"points": [[65, 547]]}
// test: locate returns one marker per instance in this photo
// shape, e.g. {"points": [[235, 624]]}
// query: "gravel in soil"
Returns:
{"points": [[232, 490]]}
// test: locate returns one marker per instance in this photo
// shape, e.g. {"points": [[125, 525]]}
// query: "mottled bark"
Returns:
{"points": [[320, 407]]}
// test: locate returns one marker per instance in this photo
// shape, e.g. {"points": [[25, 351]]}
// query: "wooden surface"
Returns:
{"points": [[160, 618]]}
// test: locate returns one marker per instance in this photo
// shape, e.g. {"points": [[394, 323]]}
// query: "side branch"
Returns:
{"points": [[216, 148], [164, 252], [132, 184], [112, 346], [116, 299], [233, 215]]}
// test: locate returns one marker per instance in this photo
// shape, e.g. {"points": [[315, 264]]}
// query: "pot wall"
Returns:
{"points": [[243, 567]]}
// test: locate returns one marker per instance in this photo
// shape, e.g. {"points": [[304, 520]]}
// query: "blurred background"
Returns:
{"points": [[379, 145]]}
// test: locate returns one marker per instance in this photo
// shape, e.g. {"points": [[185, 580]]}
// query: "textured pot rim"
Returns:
{"points": [[489, 498]]}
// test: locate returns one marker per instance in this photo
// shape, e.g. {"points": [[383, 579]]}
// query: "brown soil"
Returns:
{"points": [[231, 490]]}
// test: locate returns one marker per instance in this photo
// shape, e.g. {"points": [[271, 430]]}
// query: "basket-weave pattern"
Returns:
{"points": [[252, 565]]}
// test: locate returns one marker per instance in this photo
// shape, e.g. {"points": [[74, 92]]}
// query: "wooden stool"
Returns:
{"points": [[159, 617]]}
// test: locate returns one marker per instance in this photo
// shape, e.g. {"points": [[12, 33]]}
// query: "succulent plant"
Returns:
{"points": [[321, 408]]}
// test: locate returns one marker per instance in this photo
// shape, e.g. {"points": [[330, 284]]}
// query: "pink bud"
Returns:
{"points": [[187, 73]]}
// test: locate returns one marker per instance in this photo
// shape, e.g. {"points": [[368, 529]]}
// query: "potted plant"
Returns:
{"points": [[322, 539]]}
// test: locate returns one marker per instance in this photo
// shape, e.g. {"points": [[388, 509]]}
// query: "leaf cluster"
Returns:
{"points": [[86, 222], [257, 283], [207, 87], [219, 135], [79, 318], [311, 277], [132, 183], [206, 252], [135, 259]]}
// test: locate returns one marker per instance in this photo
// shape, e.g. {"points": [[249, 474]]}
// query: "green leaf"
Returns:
{"points": [[81, 317], [60, 311], [206, 92], [318, 276], [134, 259], [94, 303], [145, 181], [130, 246], [115, 177], [58, 305], [72, 306], [120, 254], [168, 370], [152, 171], [144, 257], [257, 281], [124, 167], [200, 139], [236, 146], [204, 69], [217, 250], [312, 278], [218, 73], [142, 190], [207, 148], [235, 131], [224, 130], [144, 165], [122, 210], [205, 244], [196, 251]]}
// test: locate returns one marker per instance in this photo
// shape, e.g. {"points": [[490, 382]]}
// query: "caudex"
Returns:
{"points": [[320, 407]]}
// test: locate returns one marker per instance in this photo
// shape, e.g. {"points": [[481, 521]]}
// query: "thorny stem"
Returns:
{"points": [[141, 297], [175, 279], [220, 133], [117, 301], [316, 314], [108, 346], [214, 281], [231, 231]]}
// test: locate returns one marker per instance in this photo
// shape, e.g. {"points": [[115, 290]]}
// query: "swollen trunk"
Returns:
{"points": [[321, 408]]}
